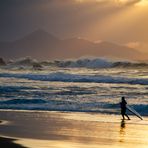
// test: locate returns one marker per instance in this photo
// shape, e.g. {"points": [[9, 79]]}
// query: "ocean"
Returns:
{"points": [[82, 85]]}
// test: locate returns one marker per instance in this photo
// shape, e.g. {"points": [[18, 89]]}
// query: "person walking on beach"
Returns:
{"points": [[123, 104]]}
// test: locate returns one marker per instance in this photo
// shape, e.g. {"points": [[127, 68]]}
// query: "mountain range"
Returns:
{"points": [[43, 45]]}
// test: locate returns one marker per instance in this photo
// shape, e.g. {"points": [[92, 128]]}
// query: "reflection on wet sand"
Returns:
{"points": [[122, 130], [75, 130]]}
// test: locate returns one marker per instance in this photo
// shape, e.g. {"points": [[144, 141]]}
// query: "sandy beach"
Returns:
{"points": [[34, 129]]}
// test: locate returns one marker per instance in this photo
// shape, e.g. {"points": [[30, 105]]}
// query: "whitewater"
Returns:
{"points": [[82, 85]]}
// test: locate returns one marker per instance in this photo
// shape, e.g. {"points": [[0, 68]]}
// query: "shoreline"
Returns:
{"points": [[70, 111], [59, 129]]}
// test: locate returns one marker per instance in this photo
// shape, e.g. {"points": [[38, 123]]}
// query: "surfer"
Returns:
{"points": [[123, 104]]}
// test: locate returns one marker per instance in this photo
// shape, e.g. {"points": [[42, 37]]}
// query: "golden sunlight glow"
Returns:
{"points": [[121, 1], [142, 3], [81, 130], [117, 23], [80, 1]]}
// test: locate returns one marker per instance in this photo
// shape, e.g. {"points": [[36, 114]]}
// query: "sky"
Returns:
{"points": [[120, 21]]}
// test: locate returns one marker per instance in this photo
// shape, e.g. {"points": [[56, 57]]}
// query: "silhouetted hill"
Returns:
{"points": [[39, 36], [42, 45]]}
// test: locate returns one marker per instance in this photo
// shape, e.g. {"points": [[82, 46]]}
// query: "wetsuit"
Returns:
{"points": [[123, 107]]}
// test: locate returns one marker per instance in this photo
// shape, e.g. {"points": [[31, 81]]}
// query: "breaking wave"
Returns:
{"points": [[87, 63], [100, 63], [75, 63], [66, 77]]}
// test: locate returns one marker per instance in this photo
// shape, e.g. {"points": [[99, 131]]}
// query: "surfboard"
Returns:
{"points": [[134, 112]]}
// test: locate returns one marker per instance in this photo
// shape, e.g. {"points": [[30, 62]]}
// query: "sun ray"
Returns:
{"points": [[142, 3]]}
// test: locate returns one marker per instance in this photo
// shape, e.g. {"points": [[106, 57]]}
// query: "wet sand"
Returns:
{"points": [[34, 129]]}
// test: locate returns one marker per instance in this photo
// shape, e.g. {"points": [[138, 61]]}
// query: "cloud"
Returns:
{"points": [[127, 2], [142, 3], [133, 45]]}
